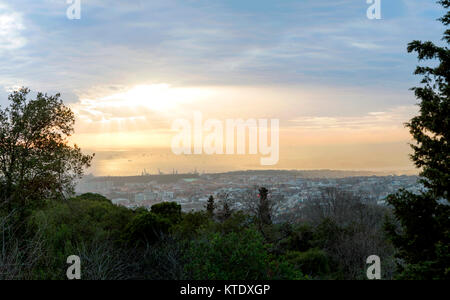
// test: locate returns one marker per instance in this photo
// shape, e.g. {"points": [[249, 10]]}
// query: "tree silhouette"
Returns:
{"points": [[37, 163], [264, 207], [424, 238], [210, 206]]}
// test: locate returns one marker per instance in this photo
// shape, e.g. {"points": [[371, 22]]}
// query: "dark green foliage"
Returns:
{"points": [[314, 262], [424, 218], [163, 260], [300, 238], [140, 210], [169, 210], [425, 229], [37, 164], [281, 269], [233, 256], [210, 206], [264, 209], [236, 222], [237, 256], [19, 256], [117, 243], [191, 223], [146, 228], [327, 233], [66, 227], [82, 219], [94, 197], [225, 212]]}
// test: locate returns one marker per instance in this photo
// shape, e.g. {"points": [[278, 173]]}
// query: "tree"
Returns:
{"points": [[424, 218], [169, 210], [226, 211], [349, 229], [261, 204], [37, 163], [145, 229], [341, 206], [236, 255], [210, 206], [264, 207]]}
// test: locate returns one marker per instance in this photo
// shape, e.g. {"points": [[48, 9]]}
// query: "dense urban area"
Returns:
{"points": [[290, 188]]}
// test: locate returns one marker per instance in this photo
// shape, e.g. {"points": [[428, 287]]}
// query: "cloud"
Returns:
{"points": [[143, 107], [11, 27], [394, 118], [218, 42], [327, 44], [368, 46]]}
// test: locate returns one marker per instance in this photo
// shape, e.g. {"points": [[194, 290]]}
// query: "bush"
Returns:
{"points": [[313, 262], [93, 197], [232, 256], [169, 210], [164, 260], [300, 238], [78, 221], [236, 222], [191, 223], [145, 229]]}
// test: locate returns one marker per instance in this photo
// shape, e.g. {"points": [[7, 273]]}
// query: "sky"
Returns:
{"points": [[337, 81]]}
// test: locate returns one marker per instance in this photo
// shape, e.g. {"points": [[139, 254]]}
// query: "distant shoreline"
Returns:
{"points": [[310, 174]]}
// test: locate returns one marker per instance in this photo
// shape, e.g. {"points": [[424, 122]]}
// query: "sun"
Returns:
{"points": [[137, 102], [156, 97]]}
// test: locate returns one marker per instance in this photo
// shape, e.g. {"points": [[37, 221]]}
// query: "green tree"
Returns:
{"points": [[145, 229], [210, 206], [191, 223], [37, 163], [226, 212], [424, 218], [169, 210], [237, 256], [313, 262], [264, 207], [87, 222]]}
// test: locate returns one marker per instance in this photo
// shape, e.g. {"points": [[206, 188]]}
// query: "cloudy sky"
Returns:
{"points": [[337, 81]]}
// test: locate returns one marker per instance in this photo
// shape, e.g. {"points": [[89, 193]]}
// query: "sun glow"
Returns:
{"points": [[134, 116], [157, 97], [140, 118], [137, 103]]}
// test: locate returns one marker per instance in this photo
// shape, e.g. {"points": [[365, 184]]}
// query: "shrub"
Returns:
{"points": [[232, 256], [191, 223], [145, 228], [169, 210], [312, 262]]}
